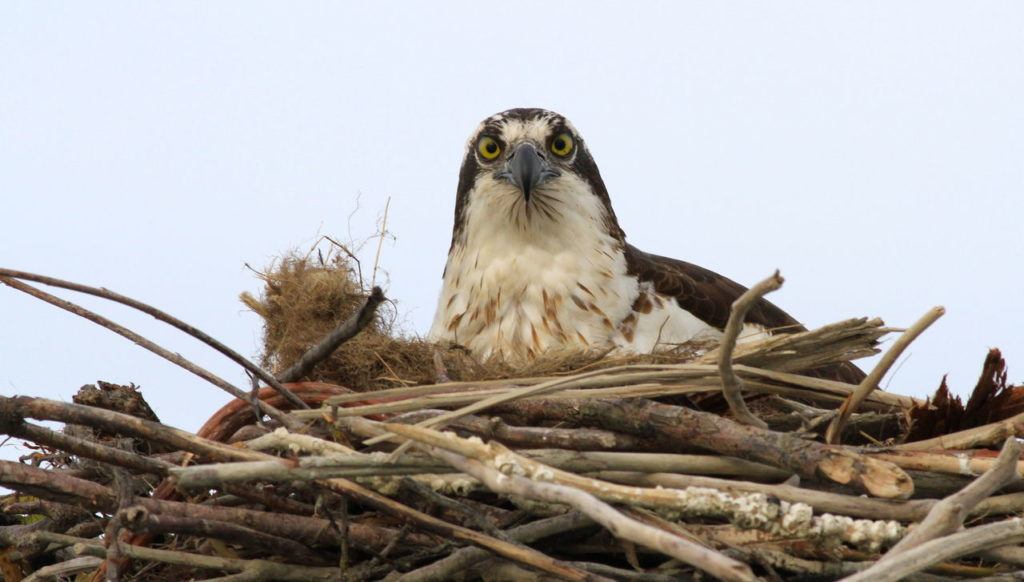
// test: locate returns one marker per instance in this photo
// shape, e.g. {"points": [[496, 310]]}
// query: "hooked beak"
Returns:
{"points": [[526, 169]]}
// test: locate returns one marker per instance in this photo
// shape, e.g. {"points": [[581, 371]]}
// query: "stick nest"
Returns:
{"points": [[417, 462]]}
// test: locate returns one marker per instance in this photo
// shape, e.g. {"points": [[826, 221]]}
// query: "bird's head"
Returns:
{"points": [[529, 169]]}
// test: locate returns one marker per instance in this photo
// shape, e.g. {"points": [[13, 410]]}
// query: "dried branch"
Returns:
{"points": [[278, 415], [141, 520], [948, 515], [64, 570], [675, 424], [966, 542], [51, 410], [265, 569], [732, 386], [332, 341], [870, 383], [577, 439], [16, 426], [620, 525], [749, 510], [937, 463], [821, 501], [95, 497], [971, 438], [164, 317]]}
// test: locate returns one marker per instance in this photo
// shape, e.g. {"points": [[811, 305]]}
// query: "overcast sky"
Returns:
{"points": [[872, 151]]}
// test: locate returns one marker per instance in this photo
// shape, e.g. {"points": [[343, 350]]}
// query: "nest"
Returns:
{"points": [[414, 461]]}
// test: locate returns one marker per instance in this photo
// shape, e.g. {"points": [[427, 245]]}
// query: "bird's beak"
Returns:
{"points": [[526, 169]]}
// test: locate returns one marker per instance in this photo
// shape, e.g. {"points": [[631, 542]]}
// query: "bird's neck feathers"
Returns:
{"points": [[564, 217]]}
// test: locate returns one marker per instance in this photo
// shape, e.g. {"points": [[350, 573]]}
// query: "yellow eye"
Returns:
{"points": [[488, 148], [562, 145]]}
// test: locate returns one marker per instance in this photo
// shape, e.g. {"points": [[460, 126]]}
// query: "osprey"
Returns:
{"points": [[538, 262]]}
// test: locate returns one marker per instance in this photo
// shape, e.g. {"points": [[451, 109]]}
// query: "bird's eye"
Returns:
{"points": [[562, 145], [488, 148]]}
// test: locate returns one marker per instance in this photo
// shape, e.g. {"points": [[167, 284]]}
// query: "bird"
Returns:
{"points": [[538, 263]]}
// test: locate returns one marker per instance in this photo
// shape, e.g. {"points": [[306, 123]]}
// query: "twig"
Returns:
{"points": [[821, 501], [732, 386], [968, 541], [281, 439], [971, 438], [362, 464], [43, 409], [943, 462], [95, 497], [17, 427], [64, 570], [269, 570], [164, 317], [948, 515], [502, 398], [380, 242], [468, 516], [289, 421], [748, 510], [676, 424], [112, 533], [870, 383], [620, 525], [64, 412], [640, 381], [577, 439], [332, 341], [141, 520]]}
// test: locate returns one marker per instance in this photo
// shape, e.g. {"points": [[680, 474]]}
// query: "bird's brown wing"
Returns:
{"points": [[709, 297], [704, 293]]}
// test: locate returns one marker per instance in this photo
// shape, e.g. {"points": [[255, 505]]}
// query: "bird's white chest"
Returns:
{"points": [[518, 301]]}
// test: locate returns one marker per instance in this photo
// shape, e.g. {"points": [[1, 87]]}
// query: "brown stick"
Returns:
{"points": [[95, 497], [732, 386], [971, 438], [332, 341], [681, 425], [948, 515], [43, 436], [64, 412], [42, 409], [264, 569], [531, 437], [620, 525], [870, 383], [968, 541], [462, 559], [166, 318], [943, 462], [141, 520], [283, 418], [821, 501]]}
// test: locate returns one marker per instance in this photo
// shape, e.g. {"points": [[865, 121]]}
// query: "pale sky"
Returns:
{"points": [[872, 151]]}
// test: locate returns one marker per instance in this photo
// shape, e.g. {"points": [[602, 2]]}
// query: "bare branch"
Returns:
{"points": [[168, 355], [948, 515], [716, 564], [732, 386], [870, 383], [968, 541], [164, 317], [332, 341]]}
